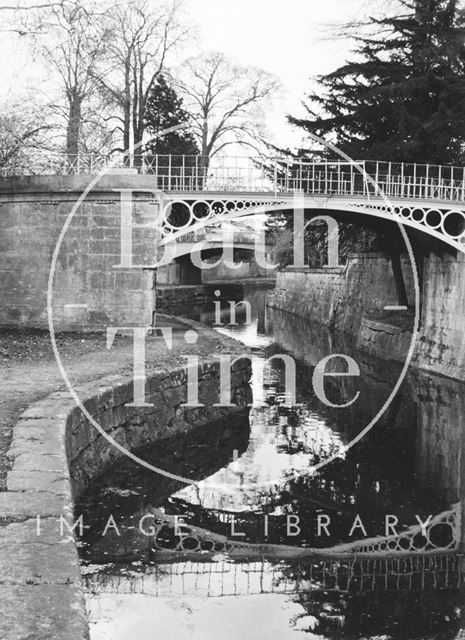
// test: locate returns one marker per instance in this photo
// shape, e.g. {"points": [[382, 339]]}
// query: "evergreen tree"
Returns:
{"points": [[164, 110], [403, 97]]}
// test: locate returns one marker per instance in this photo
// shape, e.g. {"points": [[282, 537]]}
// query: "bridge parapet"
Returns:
{"points": [[429, 198], [268, 175]]}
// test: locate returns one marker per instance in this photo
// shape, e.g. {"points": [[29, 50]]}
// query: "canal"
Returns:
{"points": [[274, 537]]}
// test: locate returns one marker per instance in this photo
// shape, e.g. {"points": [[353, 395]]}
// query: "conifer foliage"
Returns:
{"points": [[402, 98], [164, 110]]}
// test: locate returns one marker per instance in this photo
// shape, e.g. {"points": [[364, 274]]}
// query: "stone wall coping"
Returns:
{"points": [[325, 270], [54, 184], [372, 255], [41, 588]]}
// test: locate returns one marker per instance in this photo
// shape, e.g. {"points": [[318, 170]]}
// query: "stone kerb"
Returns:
{"points": [[54, 453]]}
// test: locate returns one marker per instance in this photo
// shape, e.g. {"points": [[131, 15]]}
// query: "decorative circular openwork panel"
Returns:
{"points": [[445, 224]]}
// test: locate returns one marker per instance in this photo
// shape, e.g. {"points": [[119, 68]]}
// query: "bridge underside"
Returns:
{"points": [[436, 227], [182, 270]]}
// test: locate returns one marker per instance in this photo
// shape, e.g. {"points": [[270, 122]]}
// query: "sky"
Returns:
{"points": [[292, 40]]}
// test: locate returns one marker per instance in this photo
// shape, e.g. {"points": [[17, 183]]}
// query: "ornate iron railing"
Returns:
{"points": [[267, 175]]}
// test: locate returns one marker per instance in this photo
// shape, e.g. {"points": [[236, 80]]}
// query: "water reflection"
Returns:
{"points": [[410, 464], [401, 598]]}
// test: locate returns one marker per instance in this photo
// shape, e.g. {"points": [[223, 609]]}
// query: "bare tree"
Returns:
{"points": [[21, 135], [72, 47], [225, 101], [24, 6], [97, 136], [69, 36], [143, 34], [29, 18]]}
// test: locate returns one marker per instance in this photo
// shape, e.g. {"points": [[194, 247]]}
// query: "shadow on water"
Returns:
{"points": [[254, 477]]}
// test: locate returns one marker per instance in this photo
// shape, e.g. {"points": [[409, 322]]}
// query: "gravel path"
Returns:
{"points": [[30, 372]]}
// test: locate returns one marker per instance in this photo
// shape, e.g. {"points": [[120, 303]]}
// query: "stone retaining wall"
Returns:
{"points": [[190, 300], [89, 293], [54, 454], [351, 299], [340, 297], [441, 346], [386, 340]]}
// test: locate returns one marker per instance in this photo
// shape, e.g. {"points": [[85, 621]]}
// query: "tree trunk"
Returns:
{"points": [[127, 110], [138, 133], [73, 129], [126, 130], [205, 157], [138, 116]]}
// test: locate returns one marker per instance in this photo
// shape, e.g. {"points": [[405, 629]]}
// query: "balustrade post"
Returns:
{"points": [[365, 189]]}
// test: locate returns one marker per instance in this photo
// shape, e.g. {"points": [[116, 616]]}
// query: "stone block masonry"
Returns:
{"points": [[191, 300], [55, 452], [441, 345], [88, 293], [339, 297], [352, 299]]}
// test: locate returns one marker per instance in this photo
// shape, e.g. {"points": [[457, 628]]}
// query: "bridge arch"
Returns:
{"points": [[445, 222]]}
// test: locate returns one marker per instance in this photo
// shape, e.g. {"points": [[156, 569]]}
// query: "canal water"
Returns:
{"points": [[274, 537]]}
